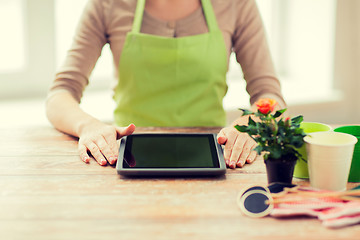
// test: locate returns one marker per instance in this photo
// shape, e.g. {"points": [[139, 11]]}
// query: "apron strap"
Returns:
{"points": [[206, 5], [209, 15], [139, 12]]}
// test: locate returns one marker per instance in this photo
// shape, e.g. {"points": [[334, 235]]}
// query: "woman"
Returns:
{"points": [[172, 58]]}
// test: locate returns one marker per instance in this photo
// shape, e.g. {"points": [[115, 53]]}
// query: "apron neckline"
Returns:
{"points": [[205, 6]]}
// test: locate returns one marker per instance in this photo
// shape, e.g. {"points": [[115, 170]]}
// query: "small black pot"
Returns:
{"points": [[279, 170]]}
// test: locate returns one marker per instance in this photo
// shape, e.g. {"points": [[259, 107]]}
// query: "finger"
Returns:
{"points": [[112, 147], [245, 152], [252, 157], [221, 137], [253, 154], [125, 131], [83, 153], [95, 151], [105, 149], [228, 149]]}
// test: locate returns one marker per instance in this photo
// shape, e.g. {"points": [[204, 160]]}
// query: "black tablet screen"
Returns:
{"points": [[170, 151]]}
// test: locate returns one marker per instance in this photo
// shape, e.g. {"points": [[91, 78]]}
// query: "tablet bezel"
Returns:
{"points": [[188, 171]]}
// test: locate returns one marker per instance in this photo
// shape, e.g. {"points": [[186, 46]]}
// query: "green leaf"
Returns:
{"points": [[297, 141], [241, 128], [297, 120], [251, 122], [299, 131], [258, 149], [275, 153], [246, 112], [279, 112]]}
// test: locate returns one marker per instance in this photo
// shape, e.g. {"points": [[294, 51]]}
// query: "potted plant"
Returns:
{"points": [[277, 138]]}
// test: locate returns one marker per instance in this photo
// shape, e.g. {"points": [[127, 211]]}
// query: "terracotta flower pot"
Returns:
{"points": [[279, 170]]}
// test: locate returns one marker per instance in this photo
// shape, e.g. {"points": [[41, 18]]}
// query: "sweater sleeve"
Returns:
{"points": [[252, 52], [90, 37]]}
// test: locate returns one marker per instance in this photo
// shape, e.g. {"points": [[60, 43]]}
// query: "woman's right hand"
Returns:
{"points": [[99, 139]]}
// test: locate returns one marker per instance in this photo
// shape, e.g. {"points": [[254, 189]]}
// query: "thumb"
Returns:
{"points": [[125, 131], [221, 138]]}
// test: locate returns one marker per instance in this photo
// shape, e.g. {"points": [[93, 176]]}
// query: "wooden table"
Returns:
{"points": [[46, 192]]}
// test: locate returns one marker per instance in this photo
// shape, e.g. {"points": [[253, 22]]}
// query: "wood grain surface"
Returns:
{"points": [[47, 192]]}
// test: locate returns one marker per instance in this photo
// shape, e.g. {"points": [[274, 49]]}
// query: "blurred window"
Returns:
{"points": [[27, 47], [12, 47], [301, 36]]}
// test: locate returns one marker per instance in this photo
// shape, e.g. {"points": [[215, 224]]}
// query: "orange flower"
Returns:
{"points": [[266, 105]]}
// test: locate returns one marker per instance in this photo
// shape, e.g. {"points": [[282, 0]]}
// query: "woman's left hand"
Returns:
{"points": [[238, 147]]}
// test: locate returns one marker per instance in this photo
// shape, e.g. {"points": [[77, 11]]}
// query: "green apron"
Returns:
{"points": [[172, 81]]}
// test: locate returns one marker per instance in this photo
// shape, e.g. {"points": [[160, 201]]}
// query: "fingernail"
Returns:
{"points": [[86, 159], [103, 162], [112, 160], [232, 164]]}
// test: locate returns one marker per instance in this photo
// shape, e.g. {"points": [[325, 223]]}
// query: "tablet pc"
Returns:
{"points": [[170, 154]]}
